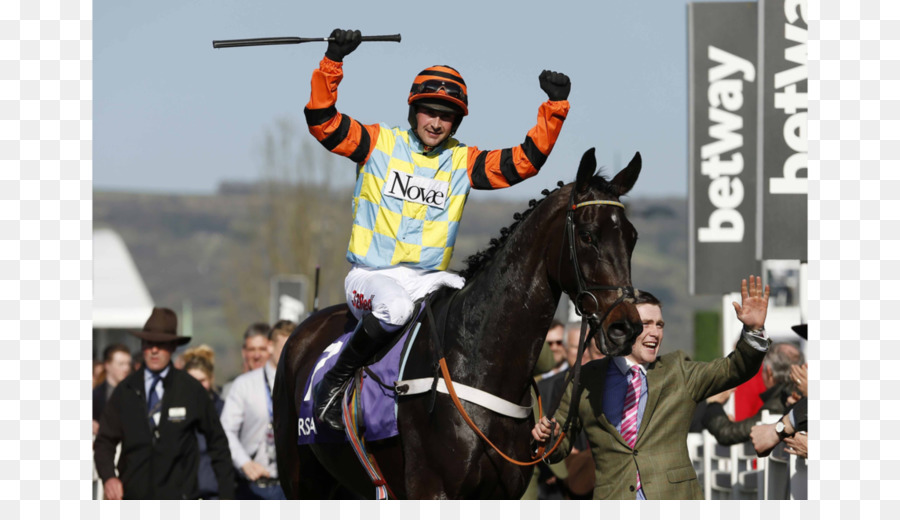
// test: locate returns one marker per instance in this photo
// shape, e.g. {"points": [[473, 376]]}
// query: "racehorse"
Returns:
{"points": [[491, 336]]}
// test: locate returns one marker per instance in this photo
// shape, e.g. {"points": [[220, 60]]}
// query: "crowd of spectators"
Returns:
{"points": [[163, 429], [183, 437]]}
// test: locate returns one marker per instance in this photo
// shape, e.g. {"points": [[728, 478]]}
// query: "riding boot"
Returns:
{"points": [[368, 338]]}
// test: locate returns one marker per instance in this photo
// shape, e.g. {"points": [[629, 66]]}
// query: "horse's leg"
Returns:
{"points": [[300, 472], [285, 420]]}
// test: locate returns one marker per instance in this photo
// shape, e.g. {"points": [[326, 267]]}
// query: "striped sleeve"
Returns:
{"points": [[338, 133], [494, 169]]}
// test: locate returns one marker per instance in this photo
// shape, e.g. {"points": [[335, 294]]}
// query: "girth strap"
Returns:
{"points": [[466, 393]]}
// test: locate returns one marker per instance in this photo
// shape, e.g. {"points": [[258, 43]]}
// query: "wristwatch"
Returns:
{"points": [[779, 429]]}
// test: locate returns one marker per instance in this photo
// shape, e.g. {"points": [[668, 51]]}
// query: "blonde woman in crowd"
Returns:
{"points": [[200, 362]]}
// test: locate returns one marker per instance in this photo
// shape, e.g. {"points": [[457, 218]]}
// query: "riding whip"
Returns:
{"points": [[248, 42], [316, 297]]}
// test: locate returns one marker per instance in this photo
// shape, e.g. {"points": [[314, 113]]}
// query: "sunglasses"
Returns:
{"points": [[433, 86]]}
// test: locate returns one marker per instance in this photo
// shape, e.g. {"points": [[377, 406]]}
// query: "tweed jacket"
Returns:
{"points": [[675, 384]]}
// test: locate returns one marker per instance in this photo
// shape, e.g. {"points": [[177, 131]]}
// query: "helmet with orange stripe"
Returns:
{"points": [[440, 88]]}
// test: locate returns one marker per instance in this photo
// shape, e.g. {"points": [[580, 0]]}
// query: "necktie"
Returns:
{"points": [[630, 411], [153, 397]]}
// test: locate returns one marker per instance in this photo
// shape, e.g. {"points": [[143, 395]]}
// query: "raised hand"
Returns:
{"points": [[754, 303], [799, 373], [342, 44], [556, 84]]}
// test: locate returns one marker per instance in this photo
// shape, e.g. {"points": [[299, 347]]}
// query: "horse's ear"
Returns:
{"points": [[585, 171], [625, 179]]}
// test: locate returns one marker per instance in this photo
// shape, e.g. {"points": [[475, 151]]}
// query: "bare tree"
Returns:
{"points": [[301, 219]]}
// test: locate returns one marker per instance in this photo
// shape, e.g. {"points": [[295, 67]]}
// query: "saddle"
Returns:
{"points": [[377, 398]]}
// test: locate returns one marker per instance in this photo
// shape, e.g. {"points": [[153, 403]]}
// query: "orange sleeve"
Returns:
{"points": [[338, 133], [493, 169]]}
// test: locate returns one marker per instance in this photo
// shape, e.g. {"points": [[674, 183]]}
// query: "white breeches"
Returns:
{"points": [[389, 293]]}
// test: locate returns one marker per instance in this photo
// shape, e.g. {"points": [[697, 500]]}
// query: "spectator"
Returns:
{"points": [[636, 410], [255, 351], [116, 367], [554, 340], [779, 386], [766, 436], [98, 374], [199, 363], [279, 334], [247, 420], [155, 414]]}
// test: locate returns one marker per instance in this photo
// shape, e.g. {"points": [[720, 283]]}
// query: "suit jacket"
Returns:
{"points": [[728, 432], [674, 386], [98, 398], [162, 462], [800, 418]]}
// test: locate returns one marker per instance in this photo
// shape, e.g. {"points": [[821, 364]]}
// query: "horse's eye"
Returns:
{"points": [[586, 236]]}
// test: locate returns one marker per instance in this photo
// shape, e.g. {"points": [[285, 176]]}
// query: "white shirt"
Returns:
{"points": [[245, 419]]}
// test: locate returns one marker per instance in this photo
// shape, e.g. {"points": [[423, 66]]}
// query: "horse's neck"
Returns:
{"points": [[503, 314]]}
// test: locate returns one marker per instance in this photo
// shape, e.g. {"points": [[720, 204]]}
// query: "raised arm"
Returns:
{"points": [[338, 133], [494, 169]]}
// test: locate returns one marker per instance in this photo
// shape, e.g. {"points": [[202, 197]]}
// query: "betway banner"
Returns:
{"points": [[783, 103], [723, 94]]}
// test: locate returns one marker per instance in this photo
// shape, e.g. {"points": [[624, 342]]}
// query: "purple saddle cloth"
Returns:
{"points": [[378, 404]]}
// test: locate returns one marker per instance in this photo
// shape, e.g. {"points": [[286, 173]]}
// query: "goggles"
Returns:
{"points": [[434, 86]]}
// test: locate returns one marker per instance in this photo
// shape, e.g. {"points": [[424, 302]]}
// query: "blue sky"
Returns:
{"points": [[172, 114]]}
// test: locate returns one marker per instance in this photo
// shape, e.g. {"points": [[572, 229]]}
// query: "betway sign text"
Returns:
{"points": [[723, 159], [723, 144]]}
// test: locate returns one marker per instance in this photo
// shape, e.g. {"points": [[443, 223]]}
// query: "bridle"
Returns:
{"points": [[624, 292]]}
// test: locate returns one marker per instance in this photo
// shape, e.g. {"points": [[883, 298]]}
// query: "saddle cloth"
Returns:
{"points": [[378, 405]]}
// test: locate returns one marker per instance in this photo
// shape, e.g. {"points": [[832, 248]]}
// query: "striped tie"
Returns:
{"points": [[153, 404], [630, 411]]}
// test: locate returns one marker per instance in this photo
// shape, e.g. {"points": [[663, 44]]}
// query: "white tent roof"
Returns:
{"points": [[121, 300]]}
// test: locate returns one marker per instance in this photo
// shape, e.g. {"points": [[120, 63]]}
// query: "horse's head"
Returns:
{"points": [[595, 257]]}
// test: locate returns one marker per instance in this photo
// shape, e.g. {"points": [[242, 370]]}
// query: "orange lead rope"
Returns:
{"points": [[537, 457]]}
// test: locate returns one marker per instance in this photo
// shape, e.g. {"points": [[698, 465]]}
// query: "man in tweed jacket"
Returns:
{"points": [[658, 465]]}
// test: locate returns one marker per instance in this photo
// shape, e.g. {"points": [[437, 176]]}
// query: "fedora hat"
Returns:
{"points": [[800, 330], [161, 326]]}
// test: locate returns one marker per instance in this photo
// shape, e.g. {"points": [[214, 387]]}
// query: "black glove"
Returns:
{"points": [[344, 43], [555, 84]]}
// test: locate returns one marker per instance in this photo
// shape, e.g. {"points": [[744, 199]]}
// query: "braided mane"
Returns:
{"points": [[475, 262]]}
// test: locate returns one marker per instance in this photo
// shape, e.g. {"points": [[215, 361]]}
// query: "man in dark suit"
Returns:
{"points": [[155, 413], [116, 367], [636, 410]]}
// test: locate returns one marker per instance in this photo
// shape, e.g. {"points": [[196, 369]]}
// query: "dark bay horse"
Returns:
{"points": [[491, 337]]}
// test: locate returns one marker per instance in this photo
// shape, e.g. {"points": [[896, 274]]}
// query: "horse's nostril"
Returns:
{"points": [[619, 332]]}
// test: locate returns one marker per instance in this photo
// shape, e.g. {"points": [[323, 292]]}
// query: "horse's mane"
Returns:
{"points": [[475, 262]]}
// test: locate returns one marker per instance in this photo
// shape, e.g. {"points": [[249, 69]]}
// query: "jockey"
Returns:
{"points": [[411, 186]]}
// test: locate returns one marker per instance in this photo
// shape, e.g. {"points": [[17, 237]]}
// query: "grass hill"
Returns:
{"points": [[214, 254]]}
